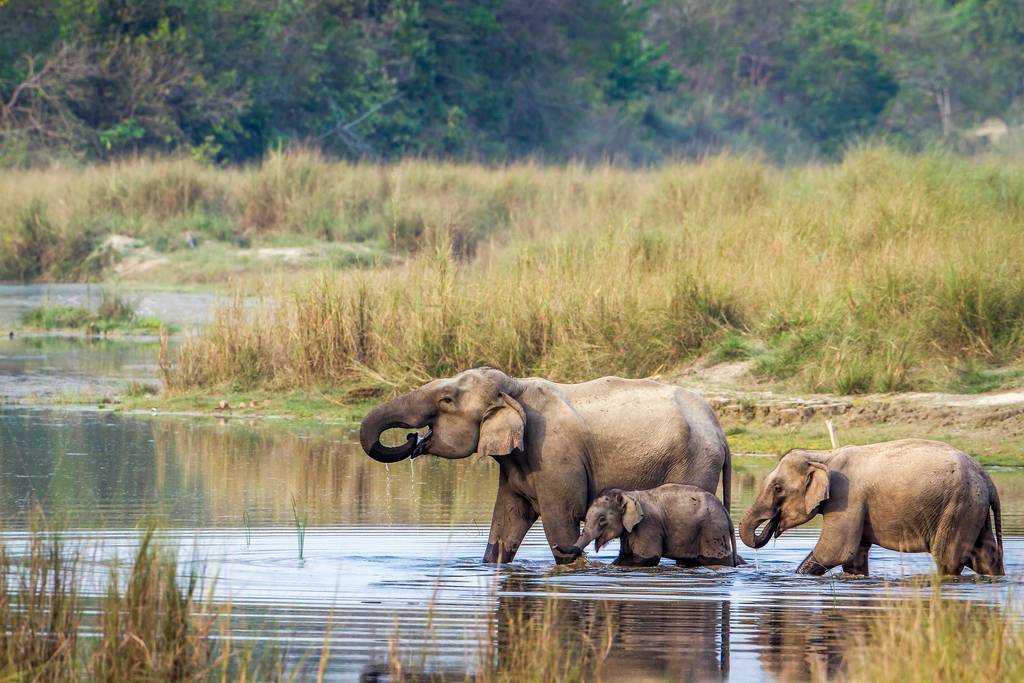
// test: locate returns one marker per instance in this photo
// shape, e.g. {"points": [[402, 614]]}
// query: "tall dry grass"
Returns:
{"points": [[885, 271], [155, 625], [937, 640], [151, 625]]}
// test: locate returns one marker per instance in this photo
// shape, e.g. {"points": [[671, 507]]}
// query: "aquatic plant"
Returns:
{"points": [[247, 523], [152, 624], [300, 526]]}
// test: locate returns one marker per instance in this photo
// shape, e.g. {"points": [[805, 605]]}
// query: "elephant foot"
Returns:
{"points": [[499, 553], [566, 554]]}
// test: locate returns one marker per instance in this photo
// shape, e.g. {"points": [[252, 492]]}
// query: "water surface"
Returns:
{"points": [[392, 552]]}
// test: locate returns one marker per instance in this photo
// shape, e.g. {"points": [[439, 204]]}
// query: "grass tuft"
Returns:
{"points": [[114, 314], [936, 639]]}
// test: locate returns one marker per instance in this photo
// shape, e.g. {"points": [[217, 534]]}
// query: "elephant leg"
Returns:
{"points": [[513, 516], [840, 542], [562, 527], [625, 557], [949, 549], [858, 564], [812, 566], [986, 557]]}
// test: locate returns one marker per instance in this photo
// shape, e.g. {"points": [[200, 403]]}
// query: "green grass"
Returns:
{"points": [[732, 347], [301, 407], [113, 315], [991, 445]]}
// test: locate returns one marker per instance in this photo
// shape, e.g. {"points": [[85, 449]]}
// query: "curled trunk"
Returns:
{"points": [[754, 518], [407, 412]]}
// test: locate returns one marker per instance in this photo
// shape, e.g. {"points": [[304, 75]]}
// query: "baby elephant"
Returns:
{"points": [[911, 496], [683, 523]]}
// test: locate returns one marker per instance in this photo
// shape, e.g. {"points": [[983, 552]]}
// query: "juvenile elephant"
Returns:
{"points": [[680, 522], [910, 496], [557, 445]]}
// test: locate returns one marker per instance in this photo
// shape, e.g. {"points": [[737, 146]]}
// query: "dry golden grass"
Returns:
{"points": [[883, 272], [937, 640], [152, 624]]}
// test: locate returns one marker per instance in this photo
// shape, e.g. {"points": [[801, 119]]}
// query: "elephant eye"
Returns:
{"points": [[777, 487], [447, 400], [601, 519]]}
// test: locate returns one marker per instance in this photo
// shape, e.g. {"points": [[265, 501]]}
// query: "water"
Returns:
{"points": [[73, 368], [393, 552], [53, 366], [390, 549]]}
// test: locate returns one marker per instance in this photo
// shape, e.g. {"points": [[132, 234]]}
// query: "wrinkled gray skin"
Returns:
{"points": [[557, 445], [911, 496], [680, 522]]}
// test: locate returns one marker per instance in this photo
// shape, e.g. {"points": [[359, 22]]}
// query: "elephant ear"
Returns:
{"points": [[632, 514], [817, 486], [502, 429]]}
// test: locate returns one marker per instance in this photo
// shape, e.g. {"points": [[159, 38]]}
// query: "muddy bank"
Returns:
{"points": [[1003, 409]]}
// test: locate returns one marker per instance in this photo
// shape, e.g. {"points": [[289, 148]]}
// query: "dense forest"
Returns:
{"points": [[629, 80]]}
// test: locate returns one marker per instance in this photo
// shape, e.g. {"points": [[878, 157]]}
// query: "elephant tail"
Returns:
{"points": [[727, 479], [997, 513], [732, 540], [727, 498]]}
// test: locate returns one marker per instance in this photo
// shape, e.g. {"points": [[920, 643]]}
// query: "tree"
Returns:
{"points": [[835, 84]]}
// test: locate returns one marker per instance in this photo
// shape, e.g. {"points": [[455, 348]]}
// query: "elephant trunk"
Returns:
{"points": [[576, 548], [411, 411], [753, 519]]}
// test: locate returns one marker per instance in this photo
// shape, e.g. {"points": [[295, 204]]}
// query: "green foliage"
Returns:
{"points": [[231, 80], [834, 77], [732, 347]]}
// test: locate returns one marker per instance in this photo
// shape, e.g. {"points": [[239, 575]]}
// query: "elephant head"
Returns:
{"points": [[472, 412], [790, 496], [611, 513]]}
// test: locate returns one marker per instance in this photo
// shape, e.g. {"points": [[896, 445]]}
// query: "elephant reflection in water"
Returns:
{"points": [[651, 640], [798, 644]]}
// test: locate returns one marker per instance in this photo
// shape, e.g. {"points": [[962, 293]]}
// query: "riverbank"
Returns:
{"points": [[988, 426]]}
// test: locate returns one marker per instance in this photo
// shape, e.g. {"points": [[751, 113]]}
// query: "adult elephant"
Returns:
{"points": [[557, 445]]}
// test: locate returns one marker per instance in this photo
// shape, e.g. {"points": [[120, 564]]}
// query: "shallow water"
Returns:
{"points": [[395, 550], [50, 367]]}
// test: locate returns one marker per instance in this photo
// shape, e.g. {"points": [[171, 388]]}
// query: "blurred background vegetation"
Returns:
{"points": [[633, 81]]}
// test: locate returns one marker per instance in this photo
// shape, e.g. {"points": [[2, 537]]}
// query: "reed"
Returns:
{"points": [[151, 625], [938, 639], [301, 521]]}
